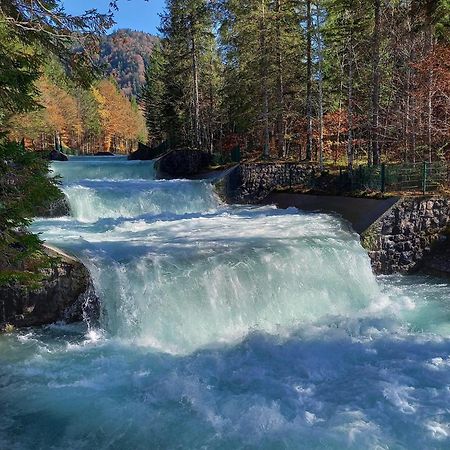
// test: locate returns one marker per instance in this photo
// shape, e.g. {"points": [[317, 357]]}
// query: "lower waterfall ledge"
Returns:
{"points": [[65, 294]]}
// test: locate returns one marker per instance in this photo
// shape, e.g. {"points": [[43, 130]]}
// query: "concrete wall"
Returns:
{"points": [[360, 212], [401, 238]]}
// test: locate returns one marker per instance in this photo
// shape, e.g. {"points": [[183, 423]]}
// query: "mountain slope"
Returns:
{"points": [[124, 54]]}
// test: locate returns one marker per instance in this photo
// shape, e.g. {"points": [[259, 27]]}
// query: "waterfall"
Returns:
{"points": [[224, 327], [177, 269]]}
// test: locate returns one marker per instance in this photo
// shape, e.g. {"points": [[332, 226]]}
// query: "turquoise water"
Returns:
{"points": [[224, 328]]}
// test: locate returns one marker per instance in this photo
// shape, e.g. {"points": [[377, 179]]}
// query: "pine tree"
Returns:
{"points": [[152, 97]]}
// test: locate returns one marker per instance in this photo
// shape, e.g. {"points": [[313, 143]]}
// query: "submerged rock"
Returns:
{"points": [[104, 154], [65, 294], [182, 163], [57, 156]]}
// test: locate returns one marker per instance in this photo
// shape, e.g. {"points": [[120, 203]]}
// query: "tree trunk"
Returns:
{"points": [[430, 101], [197, 134], [376, 39], [264, 75], [281, 144], [309, 131], [407, 138], [320, 85], [350, 149], [211, 105]]}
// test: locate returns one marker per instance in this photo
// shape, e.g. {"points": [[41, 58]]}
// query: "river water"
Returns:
{"points": [[224, 327]]}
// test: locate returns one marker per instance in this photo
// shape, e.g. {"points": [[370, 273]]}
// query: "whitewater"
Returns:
{"points": [[224, 327]]}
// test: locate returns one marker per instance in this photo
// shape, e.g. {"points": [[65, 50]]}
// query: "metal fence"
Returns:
{"points": [[424, 177]]}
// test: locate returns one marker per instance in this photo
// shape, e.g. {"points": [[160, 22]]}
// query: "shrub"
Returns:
{"points": [[25, 187]]}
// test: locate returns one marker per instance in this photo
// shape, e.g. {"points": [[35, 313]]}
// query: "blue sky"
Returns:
{"points": [[135, 14]]}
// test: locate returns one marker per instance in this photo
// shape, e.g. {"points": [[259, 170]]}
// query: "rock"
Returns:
{"points": [[57, 156], [58, 208], [104, 154], [437, 262], [65, 294], [145, 153], [182, 163]]}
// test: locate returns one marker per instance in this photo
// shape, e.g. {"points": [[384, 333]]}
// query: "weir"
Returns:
{"points": [[221, 270]]}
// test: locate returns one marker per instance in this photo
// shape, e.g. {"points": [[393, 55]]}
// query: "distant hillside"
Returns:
{"points": [[124, 54]]}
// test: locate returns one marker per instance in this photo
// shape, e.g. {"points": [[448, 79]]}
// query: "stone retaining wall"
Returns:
{"points": [[401, 238], [251, 182]]}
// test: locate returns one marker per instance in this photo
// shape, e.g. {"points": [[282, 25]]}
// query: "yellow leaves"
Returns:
{"points": [[119, 120], [61, 114]]}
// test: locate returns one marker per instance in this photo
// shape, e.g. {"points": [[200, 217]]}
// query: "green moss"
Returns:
{"points": [[24, 278], [8, 328], [369, 239]]}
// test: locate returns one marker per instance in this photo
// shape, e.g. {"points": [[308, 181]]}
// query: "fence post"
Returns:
{"points": [[383, 178], [424, 177]]}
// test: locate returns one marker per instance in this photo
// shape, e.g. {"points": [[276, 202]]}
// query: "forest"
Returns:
{"points": [[330, 81], [69, 114], [89, 120]]}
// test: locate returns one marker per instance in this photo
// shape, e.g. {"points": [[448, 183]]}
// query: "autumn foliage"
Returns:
{"points": [[101, 118]]}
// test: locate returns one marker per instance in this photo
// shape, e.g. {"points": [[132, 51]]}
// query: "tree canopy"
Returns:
{"points": [[332, 80]]}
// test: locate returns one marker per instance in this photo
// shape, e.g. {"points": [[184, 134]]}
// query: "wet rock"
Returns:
{"points": [[182, 163], [145, 153], [437, 262], [58, 208], [104, 154], [65, 294], [57, 156]]}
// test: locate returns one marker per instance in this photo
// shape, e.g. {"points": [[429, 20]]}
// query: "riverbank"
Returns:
{"points": [[60, 290]]}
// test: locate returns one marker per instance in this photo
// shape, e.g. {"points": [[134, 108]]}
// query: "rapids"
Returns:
{"points": [[224, 327]]}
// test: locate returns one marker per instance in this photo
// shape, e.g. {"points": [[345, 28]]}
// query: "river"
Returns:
{"points": [[224, 327]]}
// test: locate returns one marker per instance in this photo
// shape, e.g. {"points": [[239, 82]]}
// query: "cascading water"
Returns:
{"points": [[224, 327]]}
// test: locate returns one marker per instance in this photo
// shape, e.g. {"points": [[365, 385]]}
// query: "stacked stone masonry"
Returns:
{"points": [[251, 182], [400, 240]]}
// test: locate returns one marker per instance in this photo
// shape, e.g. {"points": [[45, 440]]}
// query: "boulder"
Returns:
{"points": [[57, 208], [65, 294], [146, 153], [182, 163], [57, 156]]}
